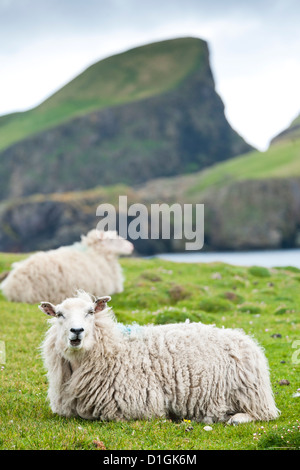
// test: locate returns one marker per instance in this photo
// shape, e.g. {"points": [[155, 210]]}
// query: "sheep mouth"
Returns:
{"points": [[75, 342]]}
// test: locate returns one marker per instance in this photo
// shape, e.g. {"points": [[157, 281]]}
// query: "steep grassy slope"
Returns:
{"points": [[279, 161], [134, 75]]}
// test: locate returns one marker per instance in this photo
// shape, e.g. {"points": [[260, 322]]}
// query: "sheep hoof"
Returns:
{"points": [[239, 418]]}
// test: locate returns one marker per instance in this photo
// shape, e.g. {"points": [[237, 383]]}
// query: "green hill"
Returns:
{"points": [[149, 112], [253, 203], [281, 160], [134, 75]]}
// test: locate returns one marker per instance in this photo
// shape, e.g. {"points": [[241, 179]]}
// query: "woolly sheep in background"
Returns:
{"points": [[101, 369], [91, 264]]}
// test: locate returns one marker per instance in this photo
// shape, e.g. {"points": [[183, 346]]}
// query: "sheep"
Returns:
{"points": [[98, 368], [91, 264]]}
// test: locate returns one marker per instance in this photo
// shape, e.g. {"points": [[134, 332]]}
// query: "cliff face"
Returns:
{"points": [[254, 214], [245, 215], [179, 129], [43, 222]]}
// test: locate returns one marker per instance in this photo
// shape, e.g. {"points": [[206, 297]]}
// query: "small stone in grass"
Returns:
{"points": [[207, 428]]}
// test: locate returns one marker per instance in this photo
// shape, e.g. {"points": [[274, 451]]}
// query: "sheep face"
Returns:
{"points": [[74, 322]]}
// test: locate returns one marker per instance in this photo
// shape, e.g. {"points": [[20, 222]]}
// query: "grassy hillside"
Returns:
{"points": [[265, 303], [281, 160], [133, 75], [253, 200]]}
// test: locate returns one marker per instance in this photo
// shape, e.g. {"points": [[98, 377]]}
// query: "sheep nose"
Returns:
{"points": [[76, 331]]}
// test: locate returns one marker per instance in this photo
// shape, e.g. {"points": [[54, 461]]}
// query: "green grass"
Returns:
{"points": [[133, 75], [281, 160], [158, 291]]}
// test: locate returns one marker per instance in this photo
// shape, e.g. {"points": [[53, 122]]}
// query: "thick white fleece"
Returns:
{"points": [[91, 264]]}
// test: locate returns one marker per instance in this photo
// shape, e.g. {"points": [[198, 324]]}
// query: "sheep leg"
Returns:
{"points": [[240, 418]]}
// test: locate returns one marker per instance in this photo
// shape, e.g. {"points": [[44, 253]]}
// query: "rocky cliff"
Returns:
{"points": [[176, 128], [245, 215]]}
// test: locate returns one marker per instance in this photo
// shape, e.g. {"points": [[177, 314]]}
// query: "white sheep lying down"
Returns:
{"points": [[101, 369], [91, 264]]}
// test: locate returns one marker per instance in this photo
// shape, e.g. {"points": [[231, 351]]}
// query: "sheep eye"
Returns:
{"points": [[90, 311], [59, 315]]}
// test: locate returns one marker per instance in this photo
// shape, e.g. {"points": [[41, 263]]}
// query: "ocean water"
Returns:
{"points": [[266, 258]]}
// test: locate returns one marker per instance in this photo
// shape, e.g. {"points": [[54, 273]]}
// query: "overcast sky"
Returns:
{"points": [[254, 48]]}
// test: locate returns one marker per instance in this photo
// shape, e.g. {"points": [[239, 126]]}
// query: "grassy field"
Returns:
{"points": [[265, 303]]}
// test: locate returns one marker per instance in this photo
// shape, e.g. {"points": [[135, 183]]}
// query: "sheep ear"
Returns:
{"points": [[48, 309], [100, 303]]}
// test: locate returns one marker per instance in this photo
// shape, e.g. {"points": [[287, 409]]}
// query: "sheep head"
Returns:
{"points": [[107, 242], [74, 320]]}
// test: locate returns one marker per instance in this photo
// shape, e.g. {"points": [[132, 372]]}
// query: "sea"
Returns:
{"points": [[265, 258]]}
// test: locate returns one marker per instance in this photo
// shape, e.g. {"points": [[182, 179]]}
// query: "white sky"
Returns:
{"points": [[254, 49]]}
